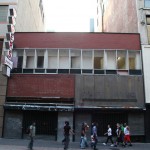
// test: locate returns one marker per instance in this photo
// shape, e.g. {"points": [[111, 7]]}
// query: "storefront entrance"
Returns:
{"points": [[46, 123]]}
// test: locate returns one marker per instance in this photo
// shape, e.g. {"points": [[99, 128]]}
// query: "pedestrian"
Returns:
{"points": [[32, 131], [127, 136], [67, 131], [109, 136], [94, 134], [83, 141], [64, 133], [119, 134]]}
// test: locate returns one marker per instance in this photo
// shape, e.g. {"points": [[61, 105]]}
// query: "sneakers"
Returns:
{"points": [[104, 144], [112, 145]]}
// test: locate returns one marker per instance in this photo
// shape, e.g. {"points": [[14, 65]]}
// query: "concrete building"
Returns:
{"points": [[76, 77], [30, 17], [126, 16]]}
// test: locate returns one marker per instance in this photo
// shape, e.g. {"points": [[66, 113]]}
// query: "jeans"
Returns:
{"points": [[30, 146]]}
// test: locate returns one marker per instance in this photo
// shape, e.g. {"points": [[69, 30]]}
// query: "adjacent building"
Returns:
{"points": [[76, 77], [129, 17], [25, 16]]}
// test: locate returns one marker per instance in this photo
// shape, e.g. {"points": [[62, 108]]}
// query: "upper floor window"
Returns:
{"points": [[89, 61], [147, 3], [3, 13]]}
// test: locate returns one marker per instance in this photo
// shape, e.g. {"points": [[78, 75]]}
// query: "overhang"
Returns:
{"points": [[39, 106]]}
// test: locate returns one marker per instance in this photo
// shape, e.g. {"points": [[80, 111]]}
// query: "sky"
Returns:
{"points": [[69, 15]]}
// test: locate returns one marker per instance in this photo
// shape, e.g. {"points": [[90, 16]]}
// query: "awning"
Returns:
{"points": [[39, 106]]}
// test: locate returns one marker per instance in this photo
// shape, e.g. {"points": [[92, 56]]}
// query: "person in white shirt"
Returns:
{"points": [[109, 136], [127, 135], [32, 135]]}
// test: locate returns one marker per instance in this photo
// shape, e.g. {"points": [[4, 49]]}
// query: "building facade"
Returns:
{"points": [[76, 77], [129, 17], [30, 17]]}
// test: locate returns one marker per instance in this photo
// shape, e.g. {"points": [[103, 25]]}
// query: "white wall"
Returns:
{"points": [[146, 69]]}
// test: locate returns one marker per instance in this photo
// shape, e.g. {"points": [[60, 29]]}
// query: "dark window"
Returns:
{"points": [[40, 61], [20, 61]]}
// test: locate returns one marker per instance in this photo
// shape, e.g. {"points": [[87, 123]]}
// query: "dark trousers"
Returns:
{"points": [[109, 138], [31, 143], [66, 142], [95, 143]]}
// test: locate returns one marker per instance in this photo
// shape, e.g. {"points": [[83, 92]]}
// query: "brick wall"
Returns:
{"points": [[78, 40], [41, 86]]}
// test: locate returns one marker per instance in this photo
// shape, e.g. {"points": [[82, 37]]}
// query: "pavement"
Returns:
{"points": [[21, 144]]}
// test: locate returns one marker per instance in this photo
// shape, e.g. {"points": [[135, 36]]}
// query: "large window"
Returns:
{"points": [[81, 61], [147, 3], [3, 13]]}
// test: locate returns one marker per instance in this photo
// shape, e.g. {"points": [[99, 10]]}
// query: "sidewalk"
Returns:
{"points": [[21, 144]]}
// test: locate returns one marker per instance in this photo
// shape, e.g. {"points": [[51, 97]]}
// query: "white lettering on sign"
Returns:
{"points": [[8, 62]]}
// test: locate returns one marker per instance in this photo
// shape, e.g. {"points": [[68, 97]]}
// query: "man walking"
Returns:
{"points": [[32, 135], [67, 131], [94, 134]]}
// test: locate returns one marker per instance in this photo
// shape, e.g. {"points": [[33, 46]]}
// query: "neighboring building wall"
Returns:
{"points": [[118, 18], [29, 16]]}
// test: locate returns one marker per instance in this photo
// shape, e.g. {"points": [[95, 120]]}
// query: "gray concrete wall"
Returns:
{"points": [[136, 123], [109, 90], [79, 118], [62, 117], [3, 88], [13, 124]]}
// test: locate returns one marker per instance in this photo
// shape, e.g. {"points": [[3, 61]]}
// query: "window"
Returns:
{"points": [[3, 13], [52, 58], [20, 62], [1, 45], [98, 59], [111, 59], [87, 60], [40, 58], [63, 59], [147, 3], [134, 60], [75, 59], [148, 27], [30, 58], [40, 61], [121, 60]]}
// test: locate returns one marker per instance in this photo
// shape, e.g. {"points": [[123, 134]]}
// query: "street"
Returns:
{"points": [[21, 144]]}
